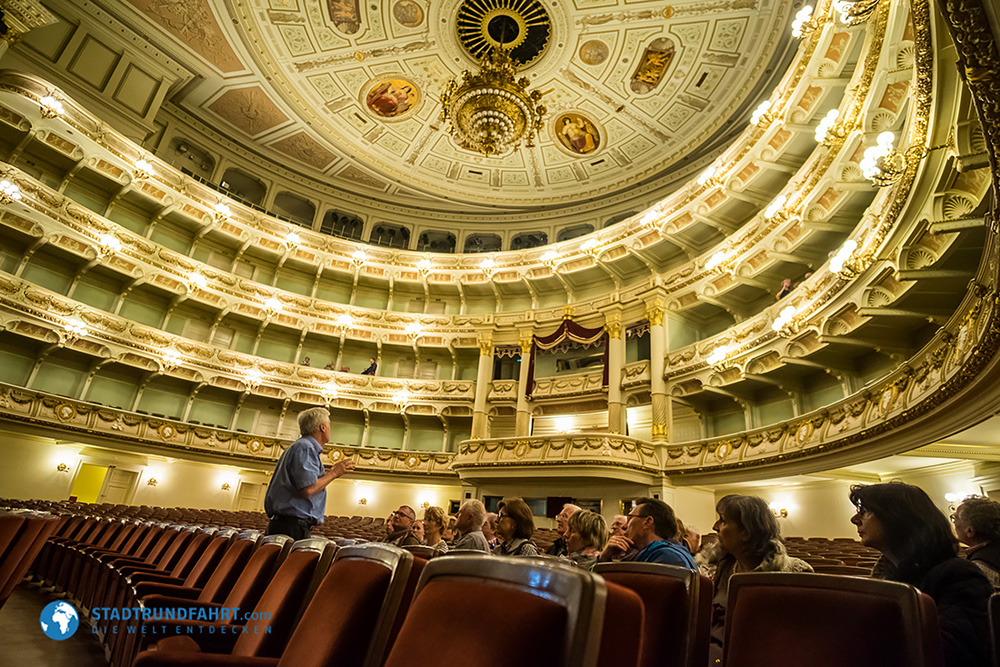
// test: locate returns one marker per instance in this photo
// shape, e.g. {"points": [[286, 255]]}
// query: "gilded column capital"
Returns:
{"points": [[526, 344], [486, 348], [655, 315], [614, 329]]}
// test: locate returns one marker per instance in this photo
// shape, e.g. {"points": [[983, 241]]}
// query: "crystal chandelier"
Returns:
{"points": [[491, 112]]}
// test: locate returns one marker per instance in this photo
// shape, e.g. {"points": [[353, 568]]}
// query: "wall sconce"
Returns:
{"points": [[882, 164], [272, 306], [828, 128], [50, 106], [549, 258], [345, 322], [108, 244], [414, 330], [804, 22], [424, 266], [9, 193], [225, 486], [708, 175], [401, 398], [762, 114], [776, 207], [330, 391], [855, 12], [425, 504], [779, 511], [222, 212], [359, 257], [62, 467], [488, 265], [171, 359], [151, 481], [292, 240], [143, 169], [718, 355], [362, 501], [784, 320], [252, 380], [590, 247], [75, 329], [839, 262]]}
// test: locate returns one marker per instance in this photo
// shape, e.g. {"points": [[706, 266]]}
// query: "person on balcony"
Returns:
{"points": [[372, 367]]}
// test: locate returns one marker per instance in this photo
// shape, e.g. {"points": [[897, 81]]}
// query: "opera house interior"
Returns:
{"points": [[566, 250]]}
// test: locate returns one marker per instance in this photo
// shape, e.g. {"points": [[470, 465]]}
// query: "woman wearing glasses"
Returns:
{"points": [[514, 529], [434, 525], [918, 548]]}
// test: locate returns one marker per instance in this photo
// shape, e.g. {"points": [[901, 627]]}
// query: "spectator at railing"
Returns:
{"points": [[373, 366]]}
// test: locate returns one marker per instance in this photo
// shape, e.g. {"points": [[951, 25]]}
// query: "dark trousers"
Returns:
{"points": [[294, 527]]}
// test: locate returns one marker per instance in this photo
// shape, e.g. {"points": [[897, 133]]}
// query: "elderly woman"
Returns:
{"points": [[749, 540], [918, 548], [586, 536], [434, 525], [515, 526]]}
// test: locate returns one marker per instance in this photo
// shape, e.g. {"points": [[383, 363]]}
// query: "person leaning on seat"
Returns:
{"points": [[649, 537], [296, 497]]}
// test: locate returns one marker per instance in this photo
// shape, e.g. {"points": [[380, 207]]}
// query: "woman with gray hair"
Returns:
{"points": [[749, 540]]}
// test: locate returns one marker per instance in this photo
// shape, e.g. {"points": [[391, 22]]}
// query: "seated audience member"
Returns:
{"points": [[490, 529], [306, 362], [434, 525], [372, 367], [977, 523], [418, 530], [471, 515], [329, 366], [451, 530], [558, 548], [650, 533], [586, 537], [918, 548], [749, 540], [619, 524], [692, 539], [515, 527], [785, 288], [399, 528]]}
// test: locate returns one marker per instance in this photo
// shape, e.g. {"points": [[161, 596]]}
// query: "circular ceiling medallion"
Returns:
{"points": [[523, 27], [392, 98], [594, 52], [576, 133], [408, 13]]}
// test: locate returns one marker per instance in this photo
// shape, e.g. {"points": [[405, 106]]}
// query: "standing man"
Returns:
{"points": [[471, 516], [652, 527], [558, 548], [399, 528], [977, 523], [296, 497]]}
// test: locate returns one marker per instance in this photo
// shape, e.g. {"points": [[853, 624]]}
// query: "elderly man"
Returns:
{"points": [[471, 516], [558, 548], [490, 529], [977, 524], [619, 525], [296, 497], [399, 528], [652, 527]]}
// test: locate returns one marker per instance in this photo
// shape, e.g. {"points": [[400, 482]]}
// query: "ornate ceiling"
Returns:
{"points": [[348, 91]]}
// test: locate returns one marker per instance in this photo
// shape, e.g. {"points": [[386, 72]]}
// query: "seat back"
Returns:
{"points": [[539, 613], [286, 594], [675, 617], [349, 620], [36, 529], [224, 579], [209, 559], [825, 620], [622, 636], [995, 627]]}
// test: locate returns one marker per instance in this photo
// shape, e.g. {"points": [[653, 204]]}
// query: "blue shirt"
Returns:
{"points": [[667, 553], [298, 467]]}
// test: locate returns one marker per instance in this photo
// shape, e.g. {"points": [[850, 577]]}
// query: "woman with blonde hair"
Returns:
{"points": [[586, 537], [434, 524]]}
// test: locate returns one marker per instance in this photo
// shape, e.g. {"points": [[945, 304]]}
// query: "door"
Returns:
{"points": [[249, 496], [118, 486], [88, 482]]}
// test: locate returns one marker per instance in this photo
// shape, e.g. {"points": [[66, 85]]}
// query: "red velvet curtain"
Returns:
{"points": [[568, 330]]}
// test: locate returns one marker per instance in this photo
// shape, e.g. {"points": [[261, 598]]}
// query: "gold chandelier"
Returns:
{"points": [[491, 112]]}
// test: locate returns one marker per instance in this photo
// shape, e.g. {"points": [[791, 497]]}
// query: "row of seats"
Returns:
{"points": [[374, 604], [23, 533]]}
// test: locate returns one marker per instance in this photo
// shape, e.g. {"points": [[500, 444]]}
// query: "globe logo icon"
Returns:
{"points": [[59, 620]]}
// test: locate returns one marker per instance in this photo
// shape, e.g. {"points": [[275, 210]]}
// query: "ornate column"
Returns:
{"points": [[523, 424], [483, 379], [657, 387], [616, 362]]}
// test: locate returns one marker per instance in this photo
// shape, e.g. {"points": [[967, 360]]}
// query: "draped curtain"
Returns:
{"points": [[568, 331]]}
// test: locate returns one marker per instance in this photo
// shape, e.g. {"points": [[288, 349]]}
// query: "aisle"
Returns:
{"points": [[24, 643]]}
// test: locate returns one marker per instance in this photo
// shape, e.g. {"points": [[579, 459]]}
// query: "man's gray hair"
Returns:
{"points": [[572, 508], [477, 509], [312, 419]]}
